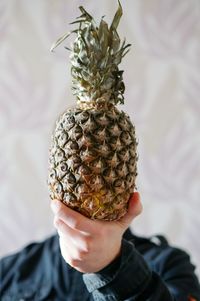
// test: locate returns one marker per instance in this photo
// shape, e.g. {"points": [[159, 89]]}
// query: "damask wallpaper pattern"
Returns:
{"points": [[162, 76]]}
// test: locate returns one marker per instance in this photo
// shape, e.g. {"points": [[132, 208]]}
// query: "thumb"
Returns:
{"points": [[134, 209]]}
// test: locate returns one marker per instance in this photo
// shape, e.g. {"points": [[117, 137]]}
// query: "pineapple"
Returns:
{"points": [[92, 163]]}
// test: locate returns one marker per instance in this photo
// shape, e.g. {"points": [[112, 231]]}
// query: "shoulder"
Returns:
{"points": [[163, 258], [18, 267], [28, 252]]}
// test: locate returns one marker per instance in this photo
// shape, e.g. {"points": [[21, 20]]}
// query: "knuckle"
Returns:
{"points": [[82, 254], [74, 262], [59, 225], [56, 222], [88, 244], [59, 210], [75, 224]]}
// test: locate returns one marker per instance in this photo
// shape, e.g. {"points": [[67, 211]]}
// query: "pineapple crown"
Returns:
{"points": [[97, 51]]}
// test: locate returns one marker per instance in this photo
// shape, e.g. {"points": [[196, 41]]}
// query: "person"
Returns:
{"points": [[98, 260]]}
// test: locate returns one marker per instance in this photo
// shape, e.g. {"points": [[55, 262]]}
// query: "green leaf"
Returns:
{"points": [[103, 34], [78, 21], [117, 17], [115, 41], [85, 13], [61, 39]]}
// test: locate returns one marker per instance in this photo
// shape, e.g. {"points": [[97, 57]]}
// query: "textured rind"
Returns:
{"points": [[92, 163]]}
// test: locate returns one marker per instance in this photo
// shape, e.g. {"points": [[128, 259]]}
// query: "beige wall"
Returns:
{"points": [[162, 76]]}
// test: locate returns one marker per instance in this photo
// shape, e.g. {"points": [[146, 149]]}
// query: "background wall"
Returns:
{"points": [[162, 76]]}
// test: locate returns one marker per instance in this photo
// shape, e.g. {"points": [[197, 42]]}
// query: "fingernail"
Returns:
{"points": [[55, 205]]}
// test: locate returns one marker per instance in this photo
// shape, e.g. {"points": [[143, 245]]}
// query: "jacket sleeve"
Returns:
{"points": [[130, 278]]}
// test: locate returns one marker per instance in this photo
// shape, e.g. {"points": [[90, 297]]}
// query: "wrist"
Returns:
{"points": [[115, 256]]}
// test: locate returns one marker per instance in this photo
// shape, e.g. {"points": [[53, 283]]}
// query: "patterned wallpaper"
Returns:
{"points": [[162, 76]]}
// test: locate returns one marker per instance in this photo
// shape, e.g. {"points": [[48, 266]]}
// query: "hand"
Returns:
{"points": [[90, 245]]}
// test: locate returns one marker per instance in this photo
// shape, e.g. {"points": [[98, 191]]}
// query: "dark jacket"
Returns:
{"points": [[148, 269]]}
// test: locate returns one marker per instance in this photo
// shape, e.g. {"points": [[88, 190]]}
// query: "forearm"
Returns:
{"points": [[126, 278]]}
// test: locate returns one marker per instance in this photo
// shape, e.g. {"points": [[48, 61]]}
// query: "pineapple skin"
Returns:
{"points": [[92, 163]]}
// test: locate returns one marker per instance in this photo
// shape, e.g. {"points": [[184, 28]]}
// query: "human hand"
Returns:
{"points": [[90, 245]]}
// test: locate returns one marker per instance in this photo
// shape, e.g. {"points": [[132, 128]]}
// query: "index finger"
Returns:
{"points": [[72, 218]]}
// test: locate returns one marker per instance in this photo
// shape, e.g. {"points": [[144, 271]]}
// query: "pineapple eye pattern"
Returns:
{"points": [[83, 117], [68, 122]]}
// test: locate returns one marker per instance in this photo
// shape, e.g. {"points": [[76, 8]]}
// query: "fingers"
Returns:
{"points": [[134, 209], [75, 246], [73, 219], [77, 221], [72, 236]]}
